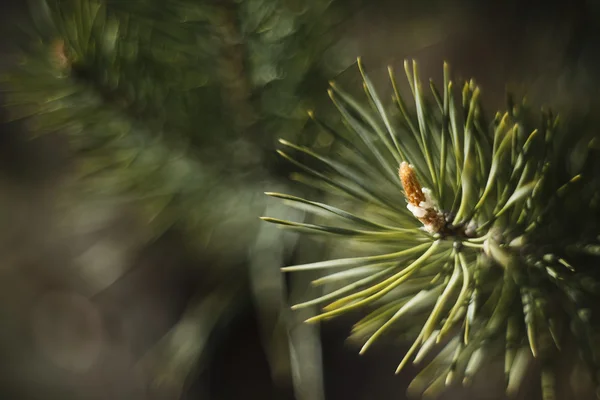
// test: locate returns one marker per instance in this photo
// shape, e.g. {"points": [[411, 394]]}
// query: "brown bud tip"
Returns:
{"points": [[410, 183], [59, 54]]}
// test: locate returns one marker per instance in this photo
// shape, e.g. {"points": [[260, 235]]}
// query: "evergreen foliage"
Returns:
{"points": [[163, 99], [496, 250], [174, 107]]}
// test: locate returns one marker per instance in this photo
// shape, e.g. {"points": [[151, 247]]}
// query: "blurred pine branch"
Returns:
{"points": [[172, 107]]}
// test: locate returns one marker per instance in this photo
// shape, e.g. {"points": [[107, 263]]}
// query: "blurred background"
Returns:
{"points": [[109, 290]]}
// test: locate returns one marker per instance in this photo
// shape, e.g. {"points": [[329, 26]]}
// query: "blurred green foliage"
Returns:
{"points": [[173, 107], [174, 103]]}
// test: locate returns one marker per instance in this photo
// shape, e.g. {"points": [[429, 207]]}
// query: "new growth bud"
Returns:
{"points": [[420, 202]]}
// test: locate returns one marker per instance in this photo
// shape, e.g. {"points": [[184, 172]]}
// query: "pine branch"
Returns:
{"points": [[166, 104], [129, 87], [233, 70], [479, 258]]}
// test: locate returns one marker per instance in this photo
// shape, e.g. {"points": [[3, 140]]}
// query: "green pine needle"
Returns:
{"points": [[470, 260]]}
